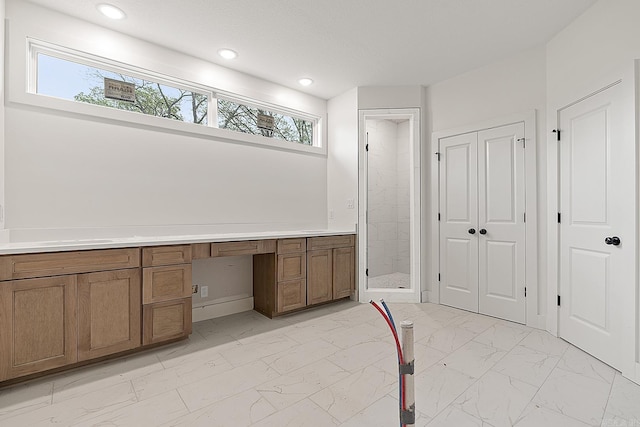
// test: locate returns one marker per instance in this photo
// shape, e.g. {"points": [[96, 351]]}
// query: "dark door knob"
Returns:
{"points": [[615, 240], [472, 231], [483, 231]]}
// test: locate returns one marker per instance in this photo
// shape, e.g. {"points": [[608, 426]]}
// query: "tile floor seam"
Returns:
{"points": [[609, 395], [183, 402], [562, 413]]}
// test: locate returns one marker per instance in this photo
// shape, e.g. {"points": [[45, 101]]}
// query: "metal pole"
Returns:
{"points": [[408, 416]]}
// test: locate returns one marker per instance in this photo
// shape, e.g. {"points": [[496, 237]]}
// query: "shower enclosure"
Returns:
{"points": [[389, 225]]}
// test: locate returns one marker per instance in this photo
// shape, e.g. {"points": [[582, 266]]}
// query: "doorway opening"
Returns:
{"points": [[389, 217]]}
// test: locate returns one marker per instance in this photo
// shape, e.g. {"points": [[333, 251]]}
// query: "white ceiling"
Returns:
{"points": [[341, 44]]}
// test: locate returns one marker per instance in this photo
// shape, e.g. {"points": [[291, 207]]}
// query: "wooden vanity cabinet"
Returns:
{"points": [[331, 263], [166, 293], [280, 279]]}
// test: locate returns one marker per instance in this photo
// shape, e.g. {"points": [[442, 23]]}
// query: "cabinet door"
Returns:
{"points": [[319, 276], [167, 321], [343, 272], [108, 312], [291, 295], [38, 325]]}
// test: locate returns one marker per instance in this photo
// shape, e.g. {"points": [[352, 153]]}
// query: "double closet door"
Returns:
{"points": [[482, 222]]}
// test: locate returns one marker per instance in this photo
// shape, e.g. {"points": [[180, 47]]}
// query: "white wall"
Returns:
{"points": [[68, 171], [342, 160], [513, 85], [598, 48], [373, 97], [605, 38], [3, 235]]}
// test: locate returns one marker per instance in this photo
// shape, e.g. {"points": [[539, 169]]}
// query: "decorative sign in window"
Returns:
{"points": [[266, 121], [122, 91]]}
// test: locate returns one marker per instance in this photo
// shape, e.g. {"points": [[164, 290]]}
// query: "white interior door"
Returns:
{"points": [[482, 228], [458, 221], [597, 201], [501, 236]]}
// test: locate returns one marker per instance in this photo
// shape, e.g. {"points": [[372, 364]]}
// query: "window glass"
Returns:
{"points": [[247, 119], [66, 79]]}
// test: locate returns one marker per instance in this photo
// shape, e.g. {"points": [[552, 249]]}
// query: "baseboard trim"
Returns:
{"points": [[214, 310]]}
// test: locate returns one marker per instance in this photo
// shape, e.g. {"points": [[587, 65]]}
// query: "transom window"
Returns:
{"points": [[83, 78]]}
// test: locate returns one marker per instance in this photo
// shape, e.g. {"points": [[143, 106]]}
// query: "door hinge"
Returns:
{"points": [[366, 147], [524, 217], [557, 132], [525, 291], [438, 216], [558, 300], [558, 217], [437, 153], [438, 277], [366, 272]]}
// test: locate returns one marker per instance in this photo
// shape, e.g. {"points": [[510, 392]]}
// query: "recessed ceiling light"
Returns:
{"points": [[305, 81], [110, 11], [228, 53]]}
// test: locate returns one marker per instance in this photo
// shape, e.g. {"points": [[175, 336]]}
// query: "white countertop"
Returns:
{"points": [[124, 242]]}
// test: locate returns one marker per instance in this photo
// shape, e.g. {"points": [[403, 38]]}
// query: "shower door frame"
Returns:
{"points": [[413, 294]]}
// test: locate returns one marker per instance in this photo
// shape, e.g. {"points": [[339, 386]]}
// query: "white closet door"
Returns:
{"points": [[598, 194], [501, 236], [458, 222]]}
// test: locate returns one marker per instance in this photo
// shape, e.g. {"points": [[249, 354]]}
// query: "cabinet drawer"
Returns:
{"points": [[58, 263], [291, 295], [166, 283], [292, 266], [249, 247], [200, 250], [287, 246], [166, 321], [166, 255], [329, 242]]}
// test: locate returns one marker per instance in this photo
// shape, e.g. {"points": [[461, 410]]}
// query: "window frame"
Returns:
{"points": [[209, 130]]}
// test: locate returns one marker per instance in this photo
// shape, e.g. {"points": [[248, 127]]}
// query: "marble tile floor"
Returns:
{"points": [[391, 281], [336, 366]]}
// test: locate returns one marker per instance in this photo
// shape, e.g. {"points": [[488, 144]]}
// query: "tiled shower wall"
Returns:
{"points": [[388, 197]]}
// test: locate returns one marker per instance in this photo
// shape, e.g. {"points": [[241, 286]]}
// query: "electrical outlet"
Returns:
{"points": [[204, 291], [194, 289], [331, 214], [350, 203]]}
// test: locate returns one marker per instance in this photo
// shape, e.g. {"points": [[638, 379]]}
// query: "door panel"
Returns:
{"points": [[589, 286], [597, 200], [459, 212], [501, 206], [588, 168], [501, 277]]}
